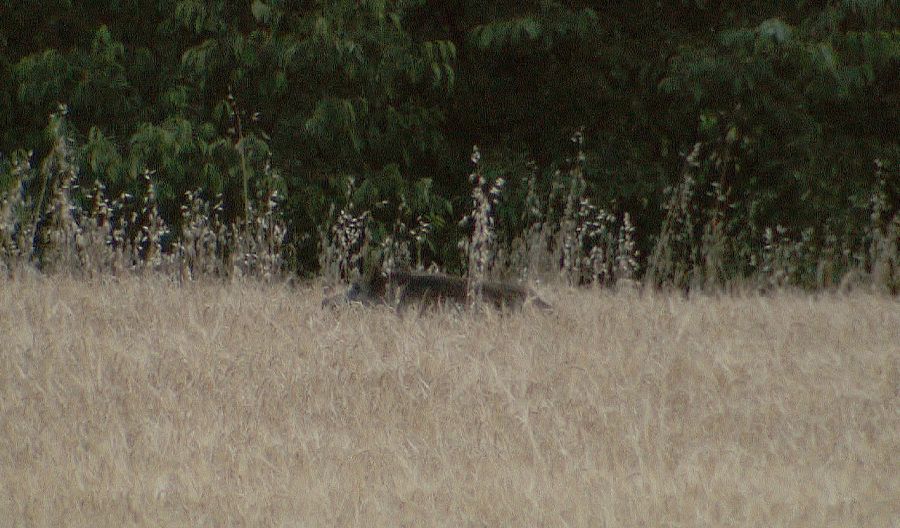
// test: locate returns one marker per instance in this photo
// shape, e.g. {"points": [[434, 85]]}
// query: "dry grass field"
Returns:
{"points": [[141, 403]]}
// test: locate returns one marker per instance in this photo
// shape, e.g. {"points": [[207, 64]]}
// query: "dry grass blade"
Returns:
{"points": [[137, 402]]}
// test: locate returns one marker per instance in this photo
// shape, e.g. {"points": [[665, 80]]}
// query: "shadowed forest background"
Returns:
{"points": [[725, 130]]}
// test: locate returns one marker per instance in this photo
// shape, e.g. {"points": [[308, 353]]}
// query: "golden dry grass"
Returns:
{"points": [[143, 403]]}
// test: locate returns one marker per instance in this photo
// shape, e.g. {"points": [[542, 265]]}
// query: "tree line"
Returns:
{"points": [[781, 115]]}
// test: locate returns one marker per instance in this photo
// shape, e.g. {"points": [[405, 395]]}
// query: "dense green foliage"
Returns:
{"points": [[792, 103]]}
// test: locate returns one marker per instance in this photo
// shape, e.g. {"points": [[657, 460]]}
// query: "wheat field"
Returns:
{"points": [[141, 403]]}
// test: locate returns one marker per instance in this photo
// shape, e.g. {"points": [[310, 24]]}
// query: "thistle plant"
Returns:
{"points": [[675, 252], [480, 249], [96, 249], [786, 261], [85, 233], [627, 266], [714, 241], [153, 230], [530, 253], [203, 238], [345, 241], [577, 213], [17, 226], [590, 249], [594, 248], [344, 246], [883, 236], [396, 250], [61, 234], [707, 239], [258, 244], [564, 235]]}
